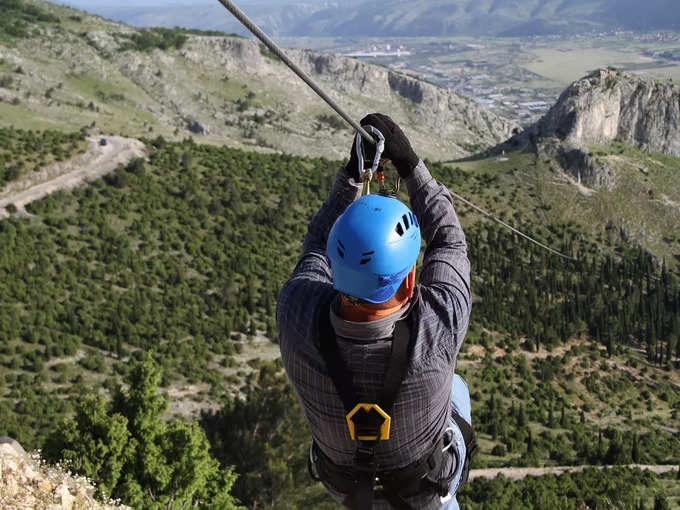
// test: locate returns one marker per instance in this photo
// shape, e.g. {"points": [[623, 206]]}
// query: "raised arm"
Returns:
{"points": [[313, 263], [446, 268], [445, 275]]}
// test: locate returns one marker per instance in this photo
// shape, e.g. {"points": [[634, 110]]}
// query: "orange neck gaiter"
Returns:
{"points": [[365, 313]]}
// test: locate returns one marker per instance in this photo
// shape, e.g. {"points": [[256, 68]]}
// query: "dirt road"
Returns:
{"points": [[519, 473], [93, 164]]}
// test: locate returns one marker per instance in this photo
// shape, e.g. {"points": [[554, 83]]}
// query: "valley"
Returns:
{"points": [[138, 301], [518, 78]]}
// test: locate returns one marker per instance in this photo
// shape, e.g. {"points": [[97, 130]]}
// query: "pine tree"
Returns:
{"points": [[132, 454], [635, 451], [661, 502]]}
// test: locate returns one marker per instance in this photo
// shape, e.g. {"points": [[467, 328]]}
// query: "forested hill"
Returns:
{"points": [[568, 363], [137, 331]]}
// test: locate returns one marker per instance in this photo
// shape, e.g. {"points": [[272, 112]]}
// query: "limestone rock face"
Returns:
{"points": [[27, 482], [611, 106], [604, 107]]}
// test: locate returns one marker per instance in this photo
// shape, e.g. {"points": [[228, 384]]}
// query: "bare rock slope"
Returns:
{"points": [[286, 113], [224, 90], [604, 107], [608, 105]]}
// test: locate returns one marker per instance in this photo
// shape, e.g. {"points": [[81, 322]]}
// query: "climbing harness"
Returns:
{"points": [[369, 424]]}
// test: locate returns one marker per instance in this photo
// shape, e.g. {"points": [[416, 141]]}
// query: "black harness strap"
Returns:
{"points": [[358, 482], [361, 497], [397, 369], [331, 356]]}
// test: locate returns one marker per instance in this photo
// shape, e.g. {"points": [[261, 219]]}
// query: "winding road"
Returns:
{"points": [[96, 162], [517, 473]]}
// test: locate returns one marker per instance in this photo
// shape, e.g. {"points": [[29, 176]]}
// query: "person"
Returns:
{"points": [[370, 353]]}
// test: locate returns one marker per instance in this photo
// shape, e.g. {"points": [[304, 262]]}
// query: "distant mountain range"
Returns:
{"points": [[410, 18]]}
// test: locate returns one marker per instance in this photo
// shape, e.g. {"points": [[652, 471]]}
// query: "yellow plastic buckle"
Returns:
{"points": [[364, 411]]}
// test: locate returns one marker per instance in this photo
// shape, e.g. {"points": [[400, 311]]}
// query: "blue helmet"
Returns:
{"points": [[372, 247]]}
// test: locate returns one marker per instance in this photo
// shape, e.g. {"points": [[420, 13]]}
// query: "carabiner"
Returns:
{"points": [[367, 175]]}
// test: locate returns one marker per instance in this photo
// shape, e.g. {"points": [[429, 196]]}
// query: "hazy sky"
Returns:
{"points": [[85, 4]]}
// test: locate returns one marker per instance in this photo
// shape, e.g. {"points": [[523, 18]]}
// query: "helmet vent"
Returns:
{"points": [[405, 218], [365, 261], [414, 220], [340, 244], [399, 229]]}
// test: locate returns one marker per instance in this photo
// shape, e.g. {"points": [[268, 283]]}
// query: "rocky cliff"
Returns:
{"points": [[442, 124], [612, 106], [604, 107]]}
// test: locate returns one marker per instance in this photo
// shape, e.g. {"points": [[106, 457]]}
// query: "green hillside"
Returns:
{"points": [[137, 327], [68, 70], [183, 256]]}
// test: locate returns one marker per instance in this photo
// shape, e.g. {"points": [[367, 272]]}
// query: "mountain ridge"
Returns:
{"points": [[607, 107], [427, 17], [88, 71]]}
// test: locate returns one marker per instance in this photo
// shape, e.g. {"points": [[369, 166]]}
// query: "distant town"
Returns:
{"points": [[519, 78]]}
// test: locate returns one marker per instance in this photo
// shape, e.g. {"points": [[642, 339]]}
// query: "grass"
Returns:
{"points": [[562, 66], [531, 192]]}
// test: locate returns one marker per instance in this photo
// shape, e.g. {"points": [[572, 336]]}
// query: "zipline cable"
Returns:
{"points": [[497, 220], [243, 18], [274, 48]]}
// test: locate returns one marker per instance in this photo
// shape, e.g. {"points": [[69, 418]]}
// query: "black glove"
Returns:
{"points": [[397, 147]]}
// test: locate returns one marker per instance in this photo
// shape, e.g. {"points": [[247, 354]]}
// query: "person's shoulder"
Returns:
{"points": [[299, 303], [437, 307]]}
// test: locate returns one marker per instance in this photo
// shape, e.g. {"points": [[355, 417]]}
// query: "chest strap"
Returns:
{"points": [[368, 423]]}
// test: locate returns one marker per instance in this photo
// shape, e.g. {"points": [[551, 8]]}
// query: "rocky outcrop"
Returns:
{"points": [[406, 87], [577, 162], [611, 106], [27, 482], [606, 106]]}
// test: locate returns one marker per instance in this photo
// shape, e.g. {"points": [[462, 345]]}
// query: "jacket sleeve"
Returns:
{"points": [[445, 274], [313, 263]]}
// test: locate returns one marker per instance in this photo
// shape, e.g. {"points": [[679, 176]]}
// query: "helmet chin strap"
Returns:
{"points": [[367, 174]]}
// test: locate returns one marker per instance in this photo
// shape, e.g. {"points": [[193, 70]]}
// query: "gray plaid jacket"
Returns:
{"points": [[440, 313]]}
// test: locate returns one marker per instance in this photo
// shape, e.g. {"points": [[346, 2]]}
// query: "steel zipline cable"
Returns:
{"points": [[243, 18], [501, 222], [274, 48]]}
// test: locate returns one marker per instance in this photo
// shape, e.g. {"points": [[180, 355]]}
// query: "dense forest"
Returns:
{"points": [[23, 152], [183, 256]]}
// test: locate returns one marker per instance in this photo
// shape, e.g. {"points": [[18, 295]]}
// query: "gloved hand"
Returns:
{"points": [[397, 147]]}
